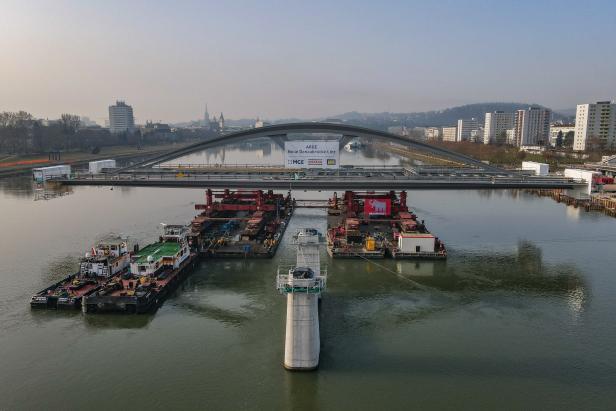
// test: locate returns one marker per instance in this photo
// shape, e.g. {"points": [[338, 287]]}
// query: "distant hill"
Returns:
{"points": [[568, 112], [436, 118]]}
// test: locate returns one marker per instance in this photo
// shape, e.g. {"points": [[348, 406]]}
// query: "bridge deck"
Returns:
{"points": [[376, 181]]}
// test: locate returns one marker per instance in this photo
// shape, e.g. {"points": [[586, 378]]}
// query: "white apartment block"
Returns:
{"points": [[496, 126], [559, 128], [532, 126], [433, 133], [477, 135], [595, 123], [465, 129], [450, 133], [510, 137], [121, 118]]}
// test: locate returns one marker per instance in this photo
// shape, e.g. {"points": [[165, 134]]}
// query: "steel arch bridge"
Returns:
{"points": [[280, 131]]}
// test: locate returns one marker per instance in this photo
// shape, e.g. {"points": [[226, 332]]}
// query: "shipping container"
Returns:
{"points": [[45, 173], [540, 169], [419, 243], [96, 167]]}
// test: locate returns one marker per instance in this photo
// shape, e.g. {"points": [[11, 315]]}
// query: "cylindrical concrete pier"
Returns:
{"points": [[303, 285], [302, 341]]}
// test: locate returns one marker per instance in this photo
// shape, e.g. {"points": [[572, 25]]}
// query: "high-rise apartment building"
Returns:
{"points": [[595, 124], [496, 126], [121, 118], [466, 129], [450, 133], [532, 126]]}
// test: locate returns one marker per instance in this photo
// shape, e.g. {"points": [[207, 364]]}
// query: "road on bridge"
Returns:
{"points": [[328, 182]]}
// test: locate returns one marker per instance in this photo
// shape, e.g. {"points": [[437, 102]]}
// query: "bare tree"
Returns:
{"points": [[70, 124]]}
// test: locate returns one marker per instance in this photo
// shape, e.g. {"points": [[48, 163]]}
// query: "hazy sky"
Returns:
{"points": [[300, 59]]}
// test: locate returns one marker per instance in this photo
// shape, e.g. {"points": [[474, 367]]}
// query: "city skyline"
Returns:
{"points": [[275, 61]]}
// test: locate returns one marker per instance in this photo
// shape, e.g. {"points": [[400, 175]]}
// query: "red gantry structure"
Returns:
{"points": [[241, 223], [368, 224]]}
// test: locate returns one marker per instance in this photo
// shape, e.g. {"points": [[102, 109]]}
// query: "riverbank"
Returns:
{"points": [[512, 157], [595, 202], [413, 154], [18, 165], [508, 157]]}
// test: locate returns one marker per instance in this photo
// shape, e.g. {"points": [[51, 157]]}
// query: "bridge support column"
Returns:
{"points": [[302, 341], [579, 193], [303, 285]]}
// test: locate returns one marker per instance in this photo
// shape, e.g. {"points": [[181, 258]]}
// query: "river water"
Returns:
{"points": [[520, 316]]}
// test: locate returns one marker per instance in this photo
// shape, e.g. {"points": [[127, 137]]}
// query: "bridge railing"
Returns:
{"points": [[197, 166], [342, 178]]}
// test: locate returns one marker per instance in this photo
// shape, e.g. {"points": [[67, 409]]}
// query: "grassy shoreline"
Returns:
{"points": [[12, 165]]}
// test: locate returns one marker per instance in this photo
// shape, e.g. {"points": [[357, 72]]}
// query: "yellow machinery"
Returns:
{"points": [[370, 244]]}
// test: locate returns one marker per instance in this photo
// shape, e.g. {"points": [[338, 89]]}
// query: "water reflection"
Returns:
{"points": [[24, 187], [523, 270], [224, 291], [60, 268], [270, 151], [221, 309], [302, 390], [19, 187], [361, 293], [117, 322]]}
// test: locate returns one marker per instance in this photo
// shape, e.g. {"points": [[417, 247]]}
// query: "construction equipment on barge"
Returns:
{"points": [[154, 272], [378, 224], [106, 260], [241, 223]]}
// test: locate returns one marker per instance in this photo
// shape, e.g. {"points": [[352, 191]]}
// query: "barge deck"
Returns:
{"points": [[155, 271], [372, 225], [132, 296], [105, 262], [241, 224]]}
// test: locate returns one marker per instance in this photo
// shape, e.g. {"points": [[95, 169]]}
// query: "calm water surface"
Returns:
{"points": [[520, 316]]}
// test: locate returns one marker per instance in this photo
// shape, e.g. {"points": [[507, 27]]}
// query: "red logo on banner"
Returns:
{"points": [[377, 206]]}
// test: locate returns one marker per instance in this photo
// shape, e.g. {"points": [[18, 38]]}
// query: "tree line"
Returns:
{"points": [[21, 133]]}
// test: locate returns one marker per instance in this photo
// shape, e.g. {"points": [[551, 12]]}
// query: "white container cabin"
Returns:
{"points": [[540, 169], [42, 174], [96, 167], [416, 243]]}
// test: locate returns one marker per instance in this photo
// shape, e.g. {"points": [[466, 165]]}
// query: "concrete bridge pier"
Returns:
{"points": [[302, 340], [303, 285]]}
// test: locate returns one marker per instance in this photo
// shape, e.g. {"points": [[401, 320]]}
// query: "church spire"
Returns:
{"points": [[206, 117], [221, 122]]}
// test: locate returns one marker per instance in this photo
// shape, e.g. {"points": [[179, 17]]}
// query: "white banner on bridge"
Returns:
{"points": [[311, 154]]}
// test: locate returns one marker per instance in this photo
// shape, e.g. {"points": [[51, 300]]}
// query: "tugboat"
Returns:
{"points": [[105, 261], [154, 271]]}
